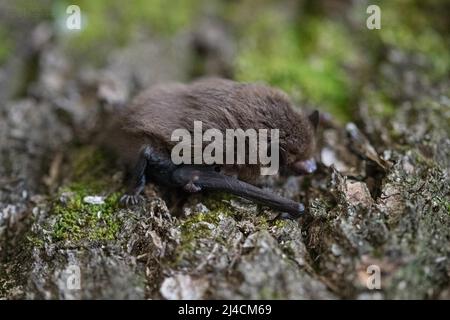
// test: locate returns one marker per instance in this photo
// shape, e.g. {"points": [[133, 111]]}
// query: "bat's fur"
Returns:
{"points": [[220, 104]]}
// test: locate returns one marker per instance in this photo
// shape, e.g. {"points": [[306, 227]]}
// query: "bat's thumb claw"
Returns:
{"points": [[292, 215]]}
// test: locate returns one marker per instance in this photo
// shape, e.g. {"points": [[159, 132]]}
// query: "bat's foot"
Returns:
{"points": [[128, 200], [191, 187], [293, 216]]}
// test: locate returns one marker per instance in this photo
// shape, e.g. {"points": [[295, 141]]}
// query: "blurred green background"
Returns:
{"points": [[320, 52]]}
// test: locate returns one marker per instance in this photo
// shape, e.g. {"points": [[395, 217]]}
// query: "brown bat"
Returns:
{"points": [[148, 123]]}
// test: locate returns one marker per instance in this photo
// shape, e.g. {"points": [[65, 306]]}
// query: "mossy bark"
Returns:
{"points": [[379, 201]]}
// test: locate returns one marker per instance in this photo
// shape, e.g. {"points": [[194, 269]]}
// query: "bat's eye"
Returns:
{"points": [[290, 158]]}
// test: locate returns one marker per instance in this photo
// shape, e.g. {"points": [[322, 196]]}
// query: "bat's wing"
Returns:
{"points": [[208, 179]]}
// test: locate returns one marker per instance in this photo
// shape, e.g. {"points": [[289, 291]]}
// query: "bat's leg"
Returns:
{"points": [[153, 164], [137, 180]]}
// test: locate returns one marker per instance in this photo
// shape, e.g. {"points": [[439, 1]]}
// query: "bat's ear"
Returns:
{"points": [[314, 118]]}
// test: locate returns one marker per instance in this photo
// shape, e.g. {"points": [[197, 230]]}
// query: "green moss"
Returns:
{"points": [[77, 220], [35, 241], [191, 225], [106, 24], [407, 26], [91, 169], [380, 105], [5, 45], [318, 59], [279, 223], [269, 293], [306, 60], [194, 229], [261, 222], [218, 201]]}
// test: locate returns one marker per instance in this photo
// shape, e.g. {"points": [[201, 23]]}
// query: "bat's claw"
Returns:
{"points": [[128, 200], [291, 215], [191, 187]]}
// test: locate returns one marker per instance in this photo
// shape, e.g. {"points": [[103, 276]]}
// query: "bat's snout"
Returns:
{"points": [[305, 167]]}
